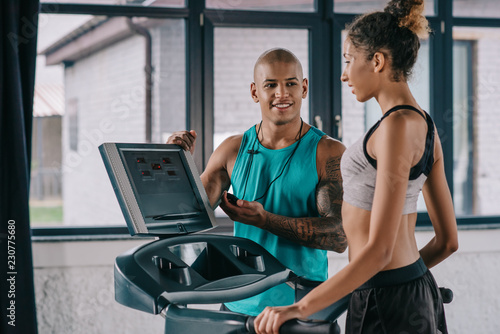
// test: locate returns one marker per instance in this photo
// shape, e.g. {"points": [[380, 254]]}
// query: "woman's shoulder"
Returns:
{"points": [[403, 124]]}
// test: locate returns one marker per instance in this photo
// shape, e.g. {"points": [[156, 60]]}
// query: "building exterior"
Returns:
{"points": [[46, 156]]}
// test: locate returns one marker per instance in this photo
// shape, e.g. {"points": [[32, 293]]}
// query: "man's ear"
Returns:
{"points": [[253, 92], [379, 61], [305, 88]]}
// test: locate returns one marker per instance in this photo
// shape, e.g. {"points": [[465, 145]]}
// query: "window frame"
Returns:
{"points": [[325, 97], [61, 233]]}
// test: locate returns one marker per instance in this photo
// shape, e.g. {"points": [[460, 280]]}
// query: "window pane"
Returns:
{"points": [[364, 6], [265, 5], [357, 118], [234, 110], [141, 3], [92, 79], [476, 92], [476, 8]]}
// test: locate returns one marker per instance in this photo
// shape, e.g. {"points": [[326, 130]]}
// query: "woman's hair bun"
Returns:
{"points": [[410, 15]]}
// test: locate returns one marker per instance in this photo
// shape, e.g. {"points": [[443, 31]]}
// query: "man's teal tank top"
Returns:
{"points": [[293, 194]]}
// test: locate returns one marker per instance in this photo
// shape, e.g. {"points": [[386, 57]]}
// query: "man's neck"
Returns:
{"points": [[278, 136]]}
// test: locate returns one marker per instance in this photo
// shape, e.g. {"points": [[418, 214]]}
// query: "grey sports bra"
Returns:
{"points": [[359, 169]]}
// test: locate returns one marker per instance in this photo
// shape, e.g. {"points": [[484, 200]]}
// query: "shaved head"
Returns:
{"points": [[277, 55]]}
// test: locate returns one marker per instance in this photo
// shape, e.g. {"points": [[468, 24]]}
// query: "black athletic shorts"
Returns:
{"points": [[399, 301]]}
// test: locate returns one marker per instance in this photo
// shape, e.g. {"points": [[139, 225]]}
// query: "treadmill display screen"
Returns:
{"points": [[158, 188], [161, 183]]}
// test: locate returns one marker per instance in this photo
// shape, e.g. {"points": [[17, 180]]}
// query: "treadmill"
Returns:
{"points": [[160, 194]]}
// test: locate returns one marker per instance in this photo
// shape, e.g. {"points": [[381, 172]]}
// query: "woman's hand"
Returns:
{"points": [[271, 319]]}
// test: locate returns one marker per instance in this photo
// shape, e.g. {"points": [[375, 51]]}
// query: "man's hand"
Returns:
{"points": [[250, 213], [185, 139]]}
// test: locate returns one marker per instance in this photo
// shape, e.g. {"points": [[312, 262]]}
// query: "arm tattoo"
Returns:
{"points": [[325, 232], [329, 191]]}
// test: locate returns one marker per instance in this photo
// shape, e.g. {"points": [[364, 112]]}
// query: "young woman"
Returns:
{"points": [[383, 174]]}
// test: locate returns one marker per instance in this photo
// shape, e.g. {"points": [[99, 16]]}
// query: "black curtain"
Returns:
{"points": [[18, 29]]}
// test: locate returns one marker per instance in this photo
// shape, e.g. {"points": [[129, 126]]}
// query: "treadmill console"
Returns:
{"points": [[158, 188]]}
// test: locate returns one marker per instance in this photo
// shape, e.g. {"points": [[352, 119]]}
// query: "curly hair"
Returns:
{"points": [[395, 31]]}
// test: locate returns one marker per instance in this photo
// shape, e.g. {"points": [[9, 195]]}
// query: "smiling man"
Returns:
{"points": [[286, 175]]}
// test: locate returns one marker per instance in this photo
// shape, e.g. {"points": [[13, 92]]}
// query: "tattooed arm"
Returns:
{"points": [[323, 232]]}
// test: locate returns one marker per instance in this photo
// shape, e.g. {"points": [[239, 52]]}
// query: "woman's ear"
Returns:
{"points": [[379, 61]]}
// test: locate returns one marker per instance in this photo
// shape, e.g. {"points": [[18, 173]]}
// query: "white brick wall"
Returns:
{"points": [[169, 102], [487, 125], [109, 88], [476, 8]]}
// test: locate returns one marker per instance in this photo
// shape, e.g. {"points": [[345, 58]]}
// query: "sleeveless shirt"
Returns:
{"points": [[359, 169], [293, 194]]}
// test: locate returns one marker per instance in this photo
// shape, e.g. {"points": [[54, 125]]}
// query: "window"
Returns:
{"points": [[123, 81], [463, 140], [94, 69], [475, 120]]}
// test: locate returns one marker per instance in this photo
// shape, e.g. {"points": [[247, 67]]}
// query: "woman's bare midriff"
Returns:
{"points": [[356, 224]]}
